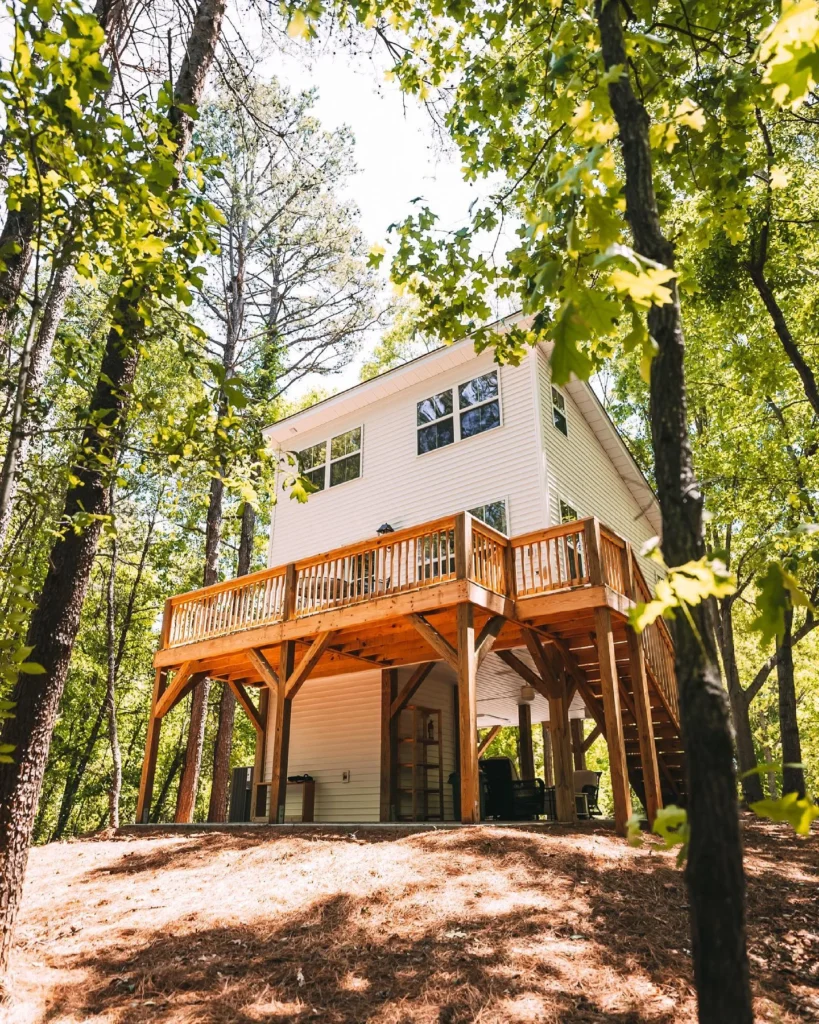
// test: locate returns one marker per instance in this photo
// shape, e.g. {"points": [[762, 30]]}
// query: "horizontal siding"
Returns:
{"points": [[404, 489], [579, 471], [335, 726]]}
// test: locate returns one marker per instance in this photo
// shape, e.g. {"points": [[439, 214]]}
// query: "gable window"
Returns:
{"points": [[559, 412], [493, 514], [313, 463], [479, 404], [345, 457], [567, 513], [435, 423]]}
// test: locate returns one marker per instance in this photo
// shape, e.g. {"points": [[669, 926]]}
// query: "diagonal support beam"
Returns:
{"points": [[525, 673], [243, 697], [543, 665], [587, 742], [184, 681], [493, 732], [263, 667], [434, 639], [487, 637], [308, 662], [414, 681]]}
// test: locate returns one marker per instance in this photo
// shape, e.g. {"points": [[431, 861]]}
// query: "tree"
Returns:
{"points": [[157, 266]]}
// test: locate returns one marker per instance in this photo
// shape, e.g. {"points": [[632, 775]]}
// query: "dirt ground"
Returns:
{"points": [[482, 924]]}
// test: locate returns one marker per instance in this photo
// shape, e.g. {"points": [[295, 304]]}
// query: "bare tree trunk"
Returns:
{"points": [[793, 779], [217, 810], [55, 621], [714, 873], [740, 704], [17, 453], [115, 788]]}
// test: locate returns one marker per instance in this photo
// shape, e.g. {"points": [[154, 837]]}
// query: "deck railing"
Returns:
{"points": [[658, 648], [572, 555]]}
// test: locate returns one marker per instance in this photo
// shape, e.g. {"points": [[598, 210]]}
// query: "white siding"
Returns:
{"points": [[579, 471], [401, 488], [335, 726]]}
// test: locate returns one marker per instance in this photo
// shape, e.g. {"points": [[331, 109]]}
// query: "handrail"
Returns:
{"points": [[553, 559], [658, 648]]}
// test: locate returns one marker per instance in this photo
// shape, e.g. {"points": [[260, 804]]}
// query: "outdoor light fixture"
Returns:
{"points": [[385, 528], [527, 694]]}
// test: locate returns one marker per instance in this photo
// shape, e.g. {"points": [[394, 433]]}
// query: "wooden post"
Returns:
{"points": [[548, 766], [389, 691], [642, 703], [613, 718], [562, 757], [467, 714], [146, 782], [281, 735], [261, 748], [463, 546], [525, 751], [591, 536], [579, 754]]}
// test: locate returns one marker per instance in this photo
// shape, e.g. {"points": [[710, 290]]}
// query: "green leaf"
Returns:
{"points": [[778, 590], [799, 813]]}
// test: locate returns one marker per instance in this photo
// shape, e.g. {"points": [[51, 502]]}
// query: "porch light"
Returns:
{"points": [[385, 528], [527, 694]]}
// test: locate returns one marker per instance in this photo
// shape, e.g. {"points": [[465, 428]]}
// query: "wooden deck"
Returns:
{"points": [[450, 590]]}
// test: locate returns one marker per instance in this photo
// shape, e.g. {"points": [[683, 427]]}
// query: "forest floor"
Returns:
{"points": [[474, 925]]}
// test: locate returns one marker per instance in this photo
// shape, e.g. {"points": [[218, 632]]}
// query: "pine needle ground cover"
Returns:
{"points": [[480, 925]]}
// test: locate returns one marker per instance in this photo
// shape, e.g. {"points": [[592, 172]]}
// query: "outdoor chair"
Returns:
{"points": [[588, 782], [508, 797]]}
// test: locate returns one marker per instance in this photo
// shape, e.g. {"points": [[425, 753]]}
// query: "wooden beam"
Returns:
{"points": [[281, 735], [411, 686], [262, 665], [542, 663], [487, 637], [614, 719], [174, 692], [587, 742], [578, 750], [389, 688], [548, 763], [436, 641], [146, 781], [296, 680], [484, 743], [525, 750], [243, 697], [259, 753], [562, 759], [468, 715], [525, 673], [645, 728]]}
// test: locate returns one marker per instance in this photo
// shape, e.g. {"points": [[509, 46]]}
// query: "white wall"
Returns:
{"points": [[402, 488], [579, 471]]}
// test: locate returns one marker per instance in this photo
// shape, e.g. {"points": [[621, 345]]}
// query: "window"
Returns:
{"points": [[567, 513], [493, 514], [312, 464], [435, 423], [345, 457], [479, 404], [559, 412], [478, 410]]}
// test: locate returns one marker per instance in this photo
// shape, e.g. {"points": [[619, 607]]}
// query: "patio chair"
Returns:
{"points": [[588, 782]]}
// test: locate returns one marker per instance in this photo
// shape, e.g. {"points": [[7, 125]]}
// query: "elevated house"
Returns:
{"points": [[467, 562]]}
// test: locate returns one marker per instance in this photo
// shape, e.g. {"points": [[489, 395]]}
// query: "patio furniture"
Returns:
{"points": [[588, 782], [510, 798]]}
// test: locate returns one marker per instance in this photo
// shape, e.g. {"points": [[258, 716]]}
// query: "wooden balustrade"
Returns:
{"points": [[243, 603], [611, 558], [489, 557], [659, 648], [551, 559]]}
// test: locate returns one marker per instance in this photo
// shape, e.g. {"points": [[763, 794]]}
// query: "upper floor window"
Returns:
{"points": [[478, 410], [479, 404], [344, 464], [313, 464], [345, 457], [493, 514], [435, 423], [559, 412], [567, 513]]}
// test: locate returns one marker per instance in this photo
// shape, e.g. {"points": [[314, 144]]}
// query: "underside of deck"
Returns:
{"points": [[450, 591]]}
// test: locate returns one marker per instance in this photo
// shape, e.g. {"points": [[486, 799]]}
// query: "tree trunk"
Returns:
{"points": [[714, 873], [39, 361], [115, 787], [55, 621], [793, 779], [173, 768], [740, 704], [217, 810], [72, 782]]}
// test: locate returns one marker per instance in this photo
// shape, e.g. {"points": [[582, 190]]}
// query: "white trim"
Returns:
{"points": [[564, 412], [331, 460], [457, 411]]}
